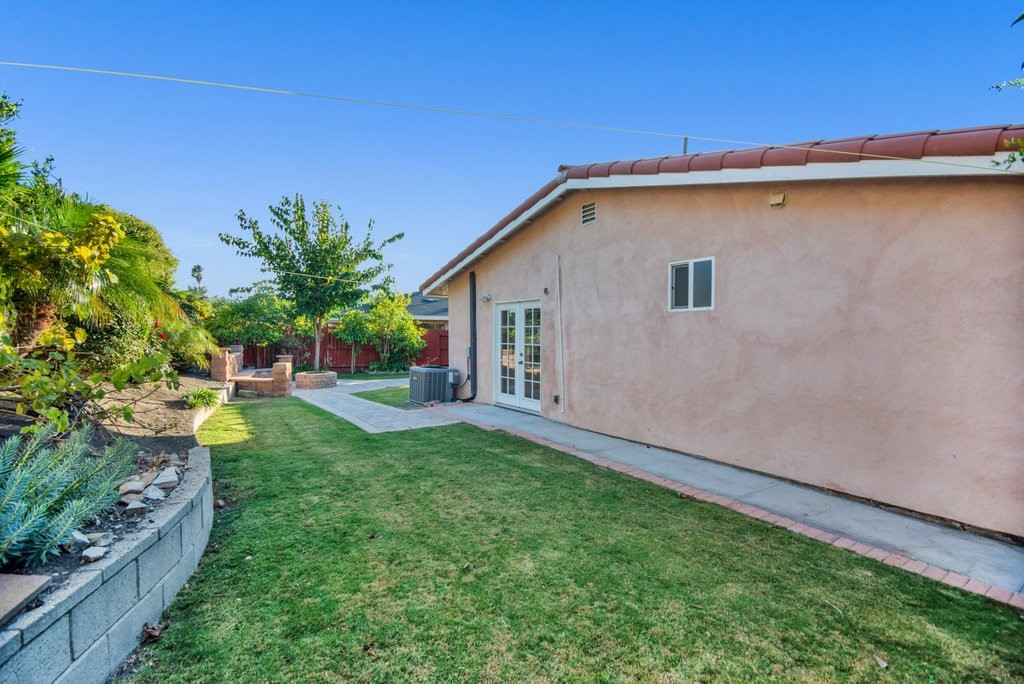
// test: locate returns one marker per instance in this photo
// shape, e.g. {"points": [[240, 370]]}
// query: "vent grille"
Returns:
{"points": [[588, 213]]}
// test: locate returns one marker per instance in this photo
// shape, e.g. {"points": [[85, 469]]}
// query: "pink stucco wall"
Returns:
{"points": [[868, 337]]}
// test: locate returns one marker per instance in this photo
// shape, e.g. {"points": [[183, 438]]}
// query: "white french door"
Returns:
{"points": [[517, 355]]}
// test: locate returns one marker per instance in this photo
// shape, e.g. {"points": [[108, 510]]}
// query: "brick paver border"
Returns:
{"points": [[958, 581]]}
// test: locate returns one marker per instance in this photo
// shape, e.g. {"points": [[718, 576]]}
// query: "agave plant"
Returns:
{"points": [[48, 491]]}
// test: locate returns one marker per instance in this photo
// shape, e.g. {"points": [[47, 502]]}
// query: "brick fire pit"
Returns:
{"points": [[316, 380]]}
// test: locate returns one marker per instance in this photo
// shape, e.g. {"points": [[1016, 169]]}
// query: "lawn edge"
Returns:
{"points": [[953, 579]]}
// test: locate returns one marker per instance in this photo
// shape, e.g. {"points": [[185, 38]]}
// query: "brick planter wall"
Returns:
{"points": [[87, 627], [225, 364], [316, 380]]}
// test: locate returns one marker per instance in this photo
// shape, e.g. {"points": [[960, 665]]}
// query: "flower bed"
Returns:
{"points": [[90, 624]]}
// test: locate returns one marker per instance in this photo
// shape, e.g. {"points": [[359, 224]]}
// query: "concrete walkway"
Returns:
{"points": [[369, 415], [958, 558]]}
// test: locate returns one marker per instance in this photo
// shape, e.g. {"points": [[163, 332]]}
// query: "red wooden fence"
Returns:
{"points": [[337, 355]]}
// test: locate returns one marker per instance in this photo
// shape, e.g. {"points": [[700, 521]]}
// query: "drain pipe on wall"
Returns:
{"points": [[561, 332], [472, 337]]}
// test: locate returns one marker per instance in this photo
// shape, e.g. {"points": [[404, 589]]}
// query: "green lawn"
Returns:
{"points": [[363, 375], [455, 554], [392, 396]]}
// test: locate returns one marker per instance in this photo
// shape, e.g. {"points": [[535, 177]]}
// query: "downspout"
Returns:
{"points": [[472, 337], [561, 332]]}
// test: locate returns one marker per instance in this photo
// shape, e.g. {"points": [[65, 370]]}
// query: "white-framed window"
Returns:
{"points": [[691, 285]]}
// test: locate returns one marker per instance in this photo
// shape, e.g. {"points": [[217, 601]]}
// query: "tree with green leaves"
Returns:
{"points": [[260, 319], [316, 261], [354, 330], [67, 264], [394, 331], [197, 274]]}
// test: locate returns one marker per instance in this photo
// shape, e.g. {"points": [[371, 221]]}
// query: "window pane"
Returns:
{"points": [[681, 286], [702, 277]]}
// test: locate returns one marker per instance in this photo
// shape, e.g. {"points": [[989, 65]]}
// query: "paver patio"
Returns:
{"points": [[368, 415]]}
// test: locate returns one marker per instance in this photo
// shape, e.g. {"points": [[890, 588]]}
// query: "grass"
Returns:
{"points": [[454, 554], [363, 375], [391, 396]]}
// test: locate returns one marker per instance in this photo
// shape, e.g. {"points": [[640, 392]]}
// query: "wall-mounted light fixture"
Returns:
{"points": [[777, 199], [486, 297]]}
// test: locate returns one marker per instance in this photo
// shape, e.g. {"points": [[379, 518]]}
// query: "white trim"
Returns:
{"points": [[430, 318], [689, 263], [516, 400], [525, 217], [873, 168]]}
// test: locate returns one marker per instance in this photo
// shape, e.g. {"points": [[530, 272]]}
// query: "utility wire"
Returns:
{"points": [[486, 115]]}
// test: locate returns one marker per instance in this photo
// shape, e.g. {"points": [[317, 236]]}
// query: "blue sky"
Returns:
{"points": [[187, 158]]}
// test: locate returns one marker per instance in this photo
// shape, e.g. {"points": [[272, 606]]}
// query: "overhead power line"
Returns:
{"points": [[486, 115]]}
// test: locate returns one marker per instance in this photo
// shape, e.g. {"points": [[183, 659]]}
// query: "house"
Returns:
{"points": [[845, 313], [430, 313]]}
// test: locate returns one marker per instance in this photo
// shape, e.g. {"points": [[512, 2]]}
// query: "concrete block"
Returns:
{"points": [[91, 618], [41, 660], [125, 550], [174, 580], [160, 558], [56, 604], [170, 513], [10, 642], [126, 633], [92, 666], [207, 499], [198, 549], [191, 525]]}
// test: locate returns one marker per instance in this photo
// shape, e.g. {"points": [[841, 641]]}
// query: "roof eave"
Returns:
{"points": [[981, 165]]}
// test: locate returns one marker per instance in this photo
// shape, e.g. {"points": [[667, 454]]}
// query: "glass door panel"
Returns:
{"points": [[518, 355]]}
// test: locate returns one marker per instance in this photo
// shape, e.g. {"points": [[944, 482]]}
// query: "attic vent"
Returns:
{"points": [[588, 213]]}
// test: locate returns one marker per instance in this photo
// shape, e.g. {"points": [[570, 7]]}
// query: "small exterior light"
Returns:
{"points": [[777, 199]]}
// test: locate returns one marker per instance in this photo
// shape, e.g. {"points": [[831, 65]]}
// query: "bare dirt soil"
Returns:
{"points": [[162, 422]]}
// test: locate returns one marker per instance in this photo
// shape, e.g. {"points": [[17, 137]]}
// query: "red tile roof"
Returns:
{"points": [[962, 142]]}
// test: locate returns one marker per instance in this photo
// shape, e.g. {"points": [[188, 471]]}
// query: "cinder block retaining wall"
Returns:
{"points": [[86, 628]]}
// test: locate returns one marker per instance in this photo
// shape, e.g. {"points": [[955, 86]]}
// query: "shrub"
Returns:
{"points": [[201, 396], [47, 492], [301, 368], [394, 366]]}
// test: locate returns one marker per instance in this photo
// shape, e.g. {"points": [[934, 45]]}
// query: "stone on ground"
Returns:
{"points": [[153, 493], [167, 479], [136, 508], [128, 498], [94, 553], [132, 486], [100, 538]]}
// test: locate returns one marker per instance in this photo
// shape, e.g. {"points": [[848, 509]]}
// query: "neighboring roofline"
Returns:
{"points": [[430, 318], [963, 152]]}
